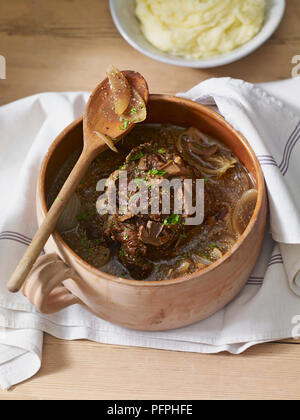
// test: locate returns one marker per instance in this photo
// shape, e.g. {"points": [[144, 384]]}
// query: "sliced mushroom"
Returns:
{"points": [[178, 143], [193, 159], [202, 158], [120, 89], [201, 150], [197, 134], [153, 234], [155, 228], [243, 211], [204, 138], [176, 167], [172, 169], [200, 161]]}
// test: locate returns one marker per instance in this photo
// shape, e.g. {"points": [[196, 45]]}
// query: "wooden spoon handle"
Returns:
{"points": [[48, 226]]}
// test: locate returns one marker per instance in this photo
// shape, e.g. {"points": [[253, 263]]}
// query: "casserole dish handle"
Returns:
{"points": [[44, 284]]}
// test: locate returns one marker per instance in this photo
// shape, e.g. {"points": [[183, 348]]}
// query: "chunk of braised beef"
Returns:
{"points": [[144, 238], [132, 252], [166, 249]]}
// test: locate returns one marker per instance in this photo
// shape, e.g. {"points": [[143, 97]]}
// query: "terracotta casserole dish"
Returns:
{"points": [[61, 278]]}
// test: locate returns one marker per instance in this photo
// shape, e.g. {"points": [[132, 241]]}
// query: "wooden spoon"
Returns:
{"points": [[99, 116]]}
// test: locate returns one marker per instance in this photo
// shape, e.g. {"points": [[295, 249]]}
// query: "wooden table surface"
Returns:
{"points": [[60, 45]]}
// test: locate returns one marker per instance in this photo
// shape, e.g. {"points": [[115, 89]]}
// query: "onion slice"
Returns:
{"points": [[120, 89], [68, 219], [107, 140], [136, 111], [198, 259], [244, 210]]}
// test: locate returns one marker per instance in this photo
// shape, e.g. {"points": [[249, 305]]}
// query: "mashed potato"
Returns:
{"points": [[200, 28]]}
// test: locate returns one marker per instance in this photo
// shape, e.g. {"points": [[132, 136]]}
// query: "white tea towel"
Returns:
{"points": [[273, 130], [291, 258], [264, 311]]}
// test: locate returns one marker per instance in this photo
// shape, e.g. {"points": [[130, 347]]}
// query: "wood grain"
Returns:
{"points": [[94, 371], [59, 45]]}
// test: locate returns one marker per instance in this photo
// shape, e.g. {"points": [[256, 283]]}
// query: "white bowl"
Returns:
{"points": [[123, 13]]}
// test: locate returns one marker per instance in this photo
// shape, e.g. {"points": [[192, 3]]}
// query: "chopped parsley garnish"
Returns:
{"points": [[133, 111], [122, 253], [125, 125], [162, 151], [138, 156], [158, 172], [212, 245], [174, 219]]}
